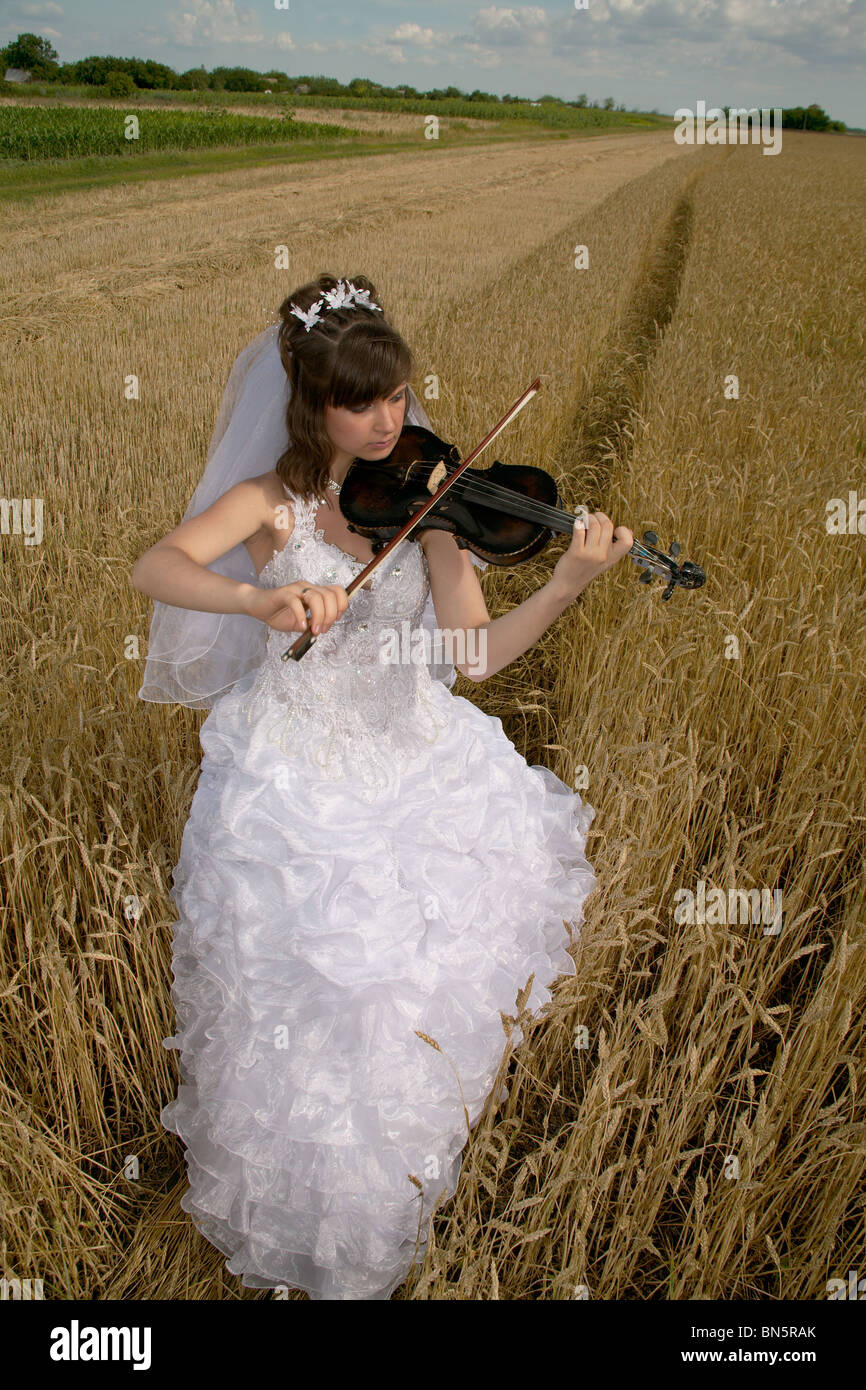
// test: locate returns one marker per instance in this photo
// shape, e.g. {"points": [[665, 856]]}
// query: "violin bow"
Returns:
{"points": [[306, 639]]}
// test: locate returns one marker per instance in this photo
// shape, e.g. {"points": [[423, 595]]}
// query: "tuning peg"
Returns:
{"points": [[675, 548], [646, 577], [650, 537]]}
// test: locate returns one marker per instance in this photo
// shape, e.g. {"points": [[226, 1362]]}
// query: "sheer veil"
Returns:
{"points": [[193, 658]]}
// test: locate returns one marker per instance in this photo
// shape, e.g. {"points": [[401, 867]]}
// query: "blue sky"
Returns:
{"points": [[644, 53]]}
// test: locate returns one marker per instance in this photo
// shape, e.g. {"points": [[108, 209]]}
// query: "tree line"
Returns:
{"points": [[124, 76]]}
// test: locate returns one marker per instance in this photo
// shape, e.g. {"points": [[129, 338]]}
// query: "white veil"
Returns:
{"points": [[193, 657]]}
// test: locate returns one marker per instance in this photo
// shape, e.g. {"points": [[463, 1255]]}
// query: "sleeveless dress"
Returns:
{"points": [[367, 858]]}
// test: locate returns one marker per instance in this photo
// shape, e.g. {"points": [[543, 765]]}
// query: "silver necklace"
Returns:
{"points": [[335, 487]]}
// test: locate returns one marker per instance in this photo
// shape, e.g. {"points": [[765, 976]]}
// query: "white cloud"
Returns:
{"points": [[727, 32], [728, 35], [413, 33], [36, 11], [528, 24], [383, 48], [215, 21]]}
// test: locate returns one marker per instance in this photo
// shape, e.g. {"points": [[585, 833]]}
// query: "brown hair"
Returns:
{"points": [[352, 356]]}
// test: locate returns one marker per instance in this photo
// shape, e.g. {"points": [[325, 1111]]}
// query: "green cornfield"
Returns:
{"points": [[42, 132]]}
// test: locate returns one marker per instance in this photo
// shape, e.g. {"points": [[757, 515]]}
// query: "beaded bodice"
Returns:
{"points": [[348, 704]]}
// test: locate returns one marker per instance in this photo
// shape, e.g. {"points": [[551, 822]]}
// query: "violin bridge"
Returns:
{"points": [[437, 477]]}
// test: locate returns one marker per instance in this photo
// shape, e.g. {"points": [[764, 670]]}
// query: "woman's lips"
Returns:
{"points": [[385, 443]]}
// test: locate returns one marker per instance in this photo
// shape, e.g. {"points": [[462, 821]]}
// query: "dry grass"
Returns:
{"points": [[606, 1167]]}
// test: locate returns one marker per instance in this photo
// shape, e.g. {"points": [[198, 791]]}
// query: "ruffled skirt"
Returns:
{"points": [[319, 934]]}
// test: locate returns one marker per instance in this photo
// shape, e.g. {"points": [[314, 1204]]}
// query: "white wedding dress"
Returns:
{"points": [[367, 857]]}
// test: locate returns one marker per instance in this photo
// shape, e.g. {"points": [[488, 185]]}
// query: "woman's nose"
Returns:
{"points": [[385, 417]]}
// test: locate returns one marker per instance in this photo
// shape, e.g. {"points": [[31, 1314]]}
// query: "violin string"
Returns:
{"points": [[525, 507]]}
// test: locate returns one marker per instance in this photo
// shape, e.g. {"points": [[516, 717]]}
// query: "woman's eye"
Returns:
{"points": [[359, 409]]}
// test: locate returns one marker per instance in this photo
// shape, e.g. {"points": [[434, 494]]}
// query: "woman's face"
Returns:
{"points": [[369, 431]]}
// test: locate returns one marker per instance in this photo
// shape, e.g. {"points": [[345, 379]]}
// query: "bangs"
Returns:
{"points": [[368, 366]]}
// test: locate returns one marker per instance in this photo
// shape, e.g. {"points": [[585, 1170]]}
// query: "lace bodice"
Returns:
{"points": [[360, 693]]}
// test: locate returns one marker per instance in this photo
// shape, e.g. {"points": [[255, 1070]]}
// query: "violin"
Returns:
{"points": [[504, 514]]}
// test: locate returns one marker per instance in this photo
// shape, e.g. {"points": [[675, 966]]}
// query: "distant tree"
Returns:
{"points": [[34, 54], [582, 99], [146, 73], [453, 93], [93, 71], [813, 117], [360, 87], [194, 80], [119, 84], [237, 80], [609, 103], [322, 86]]}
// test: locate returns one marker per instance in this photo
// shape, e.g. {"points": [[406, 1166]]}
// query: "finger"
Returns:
{"points": [[295, 605], [323, 607], [605, 535], [342, 597], [315, 602], [336, 601], [332, 612]]}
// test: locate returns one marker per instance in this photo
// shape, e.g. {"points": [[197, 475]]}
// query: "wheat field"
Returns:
{"points": [[684, 1121]]}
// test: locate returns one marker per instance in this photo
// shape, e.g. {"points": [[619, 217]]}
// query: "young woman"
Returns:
{"points": [[368, 862]]}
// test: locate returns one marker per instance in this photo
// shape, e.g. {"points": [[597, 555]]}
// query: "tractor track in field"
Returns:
{"points": [[601, 435]]}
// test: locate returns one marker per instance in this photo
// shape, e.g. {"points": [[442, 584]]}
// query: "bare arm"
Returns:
{"points": [[459, 602], [175, 569]]}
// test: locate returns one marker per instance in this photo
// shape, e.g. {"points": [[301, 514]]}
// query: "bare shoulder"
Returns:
{"points": [[277, 506]]}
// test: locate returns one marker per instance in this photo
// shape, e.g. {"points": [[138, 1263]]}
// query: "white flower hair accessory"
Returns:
{"points": [[344, 296]]}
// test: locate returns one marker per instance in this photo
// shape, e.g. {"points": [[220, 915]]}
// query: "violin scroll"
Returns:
{"points": [[680, 575]]}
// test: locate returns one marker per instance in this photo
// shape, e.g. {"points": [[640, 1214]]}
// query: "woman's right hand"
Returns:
{"points": [[283, 608]]}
